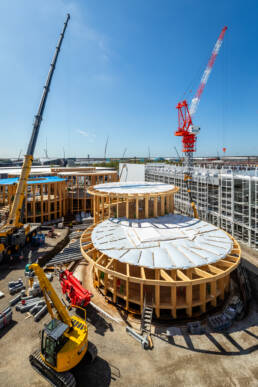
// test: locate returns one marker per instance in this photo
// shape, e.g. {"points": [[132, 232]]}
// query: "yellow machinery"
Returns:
{"points": [[14, 234], [64, 340]]}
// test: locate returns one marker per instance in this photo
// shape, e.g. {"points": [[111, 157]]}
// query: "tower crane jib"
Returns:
{"points": [[207, 71]]}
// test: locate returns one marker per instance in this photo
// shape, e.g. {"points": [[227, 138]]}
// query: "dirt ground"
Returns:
{"points": [[211, 359]]}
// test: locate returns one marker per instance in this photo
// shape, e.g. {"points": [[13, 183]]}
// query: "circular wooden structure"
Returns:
{"points": [[44, 199], [182, 264], [77, 182], [137, 200], [51, 197]]}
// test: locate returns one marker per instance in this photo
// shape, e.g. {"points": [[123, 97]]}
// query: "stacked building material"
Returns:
{"points": [[15, 300], [70, 253], [78, 229], [75, 235], [26, 304], [15, 286], [5, 317], [35, 305], [41, 313]]}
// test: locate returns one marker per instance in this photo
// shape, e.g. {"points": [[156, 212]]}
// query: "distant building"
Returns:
{"points": [[225, 197]]}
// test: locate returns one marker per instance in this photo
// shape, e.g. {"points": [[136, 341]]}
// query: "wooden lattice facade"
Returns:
{"points": [[51, 197], [173, 290], [45, 199], [77, 184], [131, 206], [177, 291]]}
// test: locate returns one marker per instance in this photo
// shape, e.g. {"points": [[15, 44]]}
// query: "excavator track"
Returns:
{"points": [[91, 353], [56, 379]]}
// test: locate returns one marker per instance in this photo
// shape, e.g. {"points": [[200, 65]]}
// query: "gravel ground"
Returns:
{"points": [[211, 359]]}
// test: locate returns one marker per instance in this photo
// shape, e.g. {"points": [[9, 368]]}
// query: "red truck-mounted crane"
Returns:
{"points": [[186, 129], [72, 287]]}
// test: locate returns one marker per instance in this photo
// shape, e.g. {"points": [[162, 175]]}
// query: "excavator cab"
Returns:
{"points": [[53, 340]]}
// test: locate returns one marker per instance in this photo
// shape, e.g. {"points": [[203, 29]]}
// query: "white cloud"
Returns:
{"points": [[83, 133], [86, 33], [91, 136]]}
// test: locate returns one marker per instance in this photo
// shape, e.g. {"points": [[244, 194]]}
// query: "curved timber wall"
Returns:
{"points": [[132, 200], [45, 198], [172, 290]]}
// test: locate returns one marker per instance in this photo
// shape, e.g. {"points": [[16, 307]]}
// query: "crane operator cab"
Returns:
{"points": [[53, 340], [63, 347]]}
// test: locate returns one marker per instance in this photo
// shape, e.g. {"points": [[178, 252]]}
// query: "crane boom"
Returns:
{"points": [[50, 294], [15, 213], [207, 71]]}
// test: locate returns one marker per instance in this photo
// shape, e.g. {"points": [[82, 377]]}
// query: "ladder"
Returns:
{"points": [[146, 318]]}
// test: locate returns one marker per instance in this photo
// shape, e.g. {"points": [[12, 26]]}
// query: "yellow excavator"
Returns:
{"points": [[64, 340], [14, 234]]}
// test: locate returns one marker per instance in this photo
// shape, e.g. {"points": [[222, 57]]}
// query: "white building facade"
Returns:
{"points": [[226, 198]]}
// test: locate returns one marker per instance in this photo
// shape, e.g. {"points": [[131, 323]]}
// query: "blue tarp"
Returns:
{"points": [[45, 179]]}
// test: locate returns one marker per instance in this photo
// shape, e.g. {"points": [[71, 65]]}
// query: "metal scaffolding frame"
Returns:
{"points": [[227, 198]]}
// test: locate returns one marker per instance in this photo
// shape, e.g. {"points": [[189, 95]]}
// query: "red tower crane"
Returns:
{"points": [[186, 129]]}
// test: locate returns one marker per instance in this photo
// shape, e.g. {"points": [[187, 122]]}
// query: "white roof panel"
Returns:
{"points": [[133, 187], [146, 258], [168, 242]]}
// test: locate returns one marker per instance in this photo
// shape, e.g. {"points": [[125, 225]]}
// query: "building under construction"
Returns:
{"points": [[52, 193], [181, 264], [226, 198]]}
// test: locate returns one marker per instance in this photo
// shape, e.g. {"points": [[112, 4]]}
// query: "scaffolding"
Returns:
{"points": [[227, 198]]}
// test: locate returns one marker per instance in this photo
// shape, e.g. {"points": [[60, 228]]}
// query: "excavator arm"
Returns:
{"points": [[50, 295]]}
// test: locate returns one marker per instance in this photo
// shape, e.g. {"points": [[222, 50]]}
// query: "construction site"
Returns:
{"points": [[144, 274]]}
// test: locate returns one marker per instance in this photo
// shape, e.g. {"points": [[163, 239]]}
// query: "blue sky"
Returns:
{"points": [[123, 67]]}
